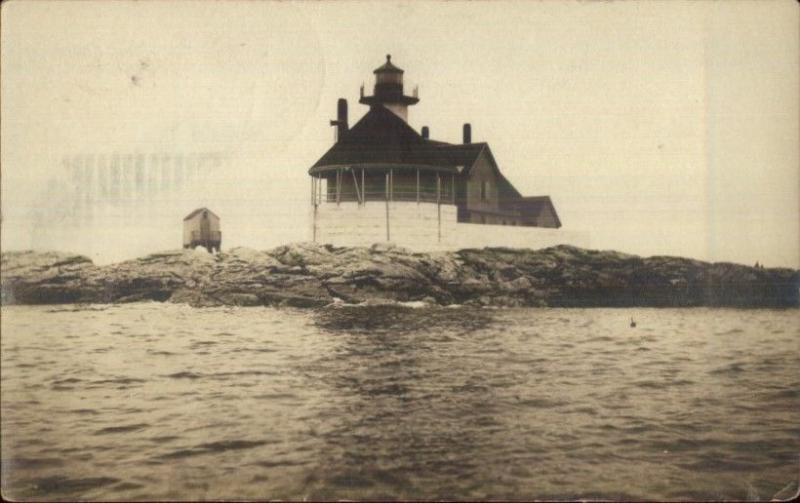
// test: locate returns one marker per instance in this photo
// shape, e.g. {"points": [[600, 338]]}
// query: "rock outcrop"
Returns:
{"points": [[309, 275]]}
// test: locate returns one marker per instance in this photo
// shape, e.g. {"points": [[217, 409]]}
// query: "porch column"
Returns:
{"points": [[439, 206], [359, 193], [417, 185], [314, 183], [388, 195], [338, 186]]}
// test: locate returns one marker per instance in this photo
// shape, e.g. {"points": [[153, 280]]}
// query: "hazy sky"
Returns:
{"points": [[661, 128]]}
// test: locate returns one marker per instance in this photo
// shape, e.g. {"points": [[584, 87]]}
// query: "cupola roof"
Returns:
{"points": [[388, 67]]}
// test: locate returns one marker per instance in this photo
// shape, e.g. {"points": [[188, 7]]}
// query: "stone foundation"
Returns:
{"points": [[424, 227]]}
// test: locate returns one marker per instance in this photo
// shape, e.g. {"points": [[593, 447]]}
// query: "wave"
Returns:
{"points": [[217, 375], [213, 448], [121, 429]]}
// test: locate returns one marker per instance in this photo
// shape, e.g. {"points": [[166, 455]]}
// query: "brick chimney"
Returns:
{"points": [[341, 119]]}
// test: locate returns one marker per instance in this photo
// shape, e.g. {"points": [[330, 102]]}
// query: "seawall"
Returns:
{"points": [[310, 275]]}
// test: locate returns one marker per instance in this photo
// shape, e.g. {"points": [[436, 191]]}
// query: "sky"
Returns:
{"points": [[660, 128]]}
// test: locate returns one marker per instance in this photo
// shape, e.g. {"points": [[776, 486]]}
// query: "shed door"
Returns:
{"points": [[205, 228]]}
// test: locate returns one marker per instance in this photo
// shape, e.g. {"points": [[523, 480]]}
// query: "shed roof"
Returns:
{"points": [[198, 210], [534, 205]]}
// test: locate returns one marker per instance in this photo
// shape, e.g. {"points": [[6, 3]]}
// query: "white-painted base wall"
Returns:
{"points": [[421, 227]]}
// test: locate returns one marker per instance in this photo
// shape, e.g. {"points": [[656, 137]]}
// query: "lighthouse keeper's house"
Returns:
{"points": [[384, 182]]}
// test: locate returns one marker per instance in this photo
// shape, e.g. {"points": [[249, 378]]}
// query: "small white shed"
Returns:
{"points": [[201, 228]]}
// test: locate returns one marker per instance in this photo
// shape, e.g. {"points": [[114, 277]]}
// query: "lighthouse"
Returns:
{"points": [[382, 181], [388, 90]]}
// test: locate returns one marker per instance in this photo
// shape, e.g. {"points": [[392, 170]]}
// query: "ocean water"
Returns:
{"points": [[158, 401]]}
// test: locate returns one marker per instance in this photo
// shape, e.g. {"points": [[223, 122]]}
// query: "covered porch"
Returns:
{"points": [[362, 184]]}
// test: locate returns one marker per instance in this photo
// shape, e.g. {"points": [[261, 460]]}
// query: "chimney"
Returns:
{"points": [[341, 118], [467, 133], [425, 132]]}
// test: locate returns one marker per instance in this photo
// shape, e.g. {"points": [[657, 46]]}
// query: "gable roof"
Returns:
{"points": [[198, 210], [459, 155], [506, 190]]}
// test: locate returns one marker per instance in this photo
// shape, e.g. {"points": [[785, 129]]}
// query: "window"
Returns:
{"points": [[483, 191]]}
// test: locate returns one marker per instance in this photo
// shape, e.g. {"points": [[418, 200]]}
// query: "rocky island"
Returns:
{"points": [[311, 275]]}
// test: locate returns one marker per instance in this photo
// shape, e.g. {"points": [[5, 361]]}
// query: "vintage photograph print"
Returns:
{"points": [[400, 250]]}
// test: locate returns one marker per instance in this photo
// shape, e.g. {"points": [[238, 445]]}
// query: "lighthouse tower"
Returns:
{"points": [[389, 90]]}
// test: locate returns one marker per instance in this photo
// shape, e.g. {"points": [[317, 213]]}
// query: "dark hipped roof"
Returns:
{"points": [[381, 137], [198, 210]]}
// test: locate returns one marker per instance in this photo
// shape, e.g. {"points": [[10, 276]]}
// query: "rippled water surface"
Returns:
{"points": [[160, 401]]}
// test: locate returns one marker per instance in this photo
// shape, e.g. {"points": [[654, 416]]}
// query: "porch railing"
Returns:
{"points": [[397, 195], [340, 188]]}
